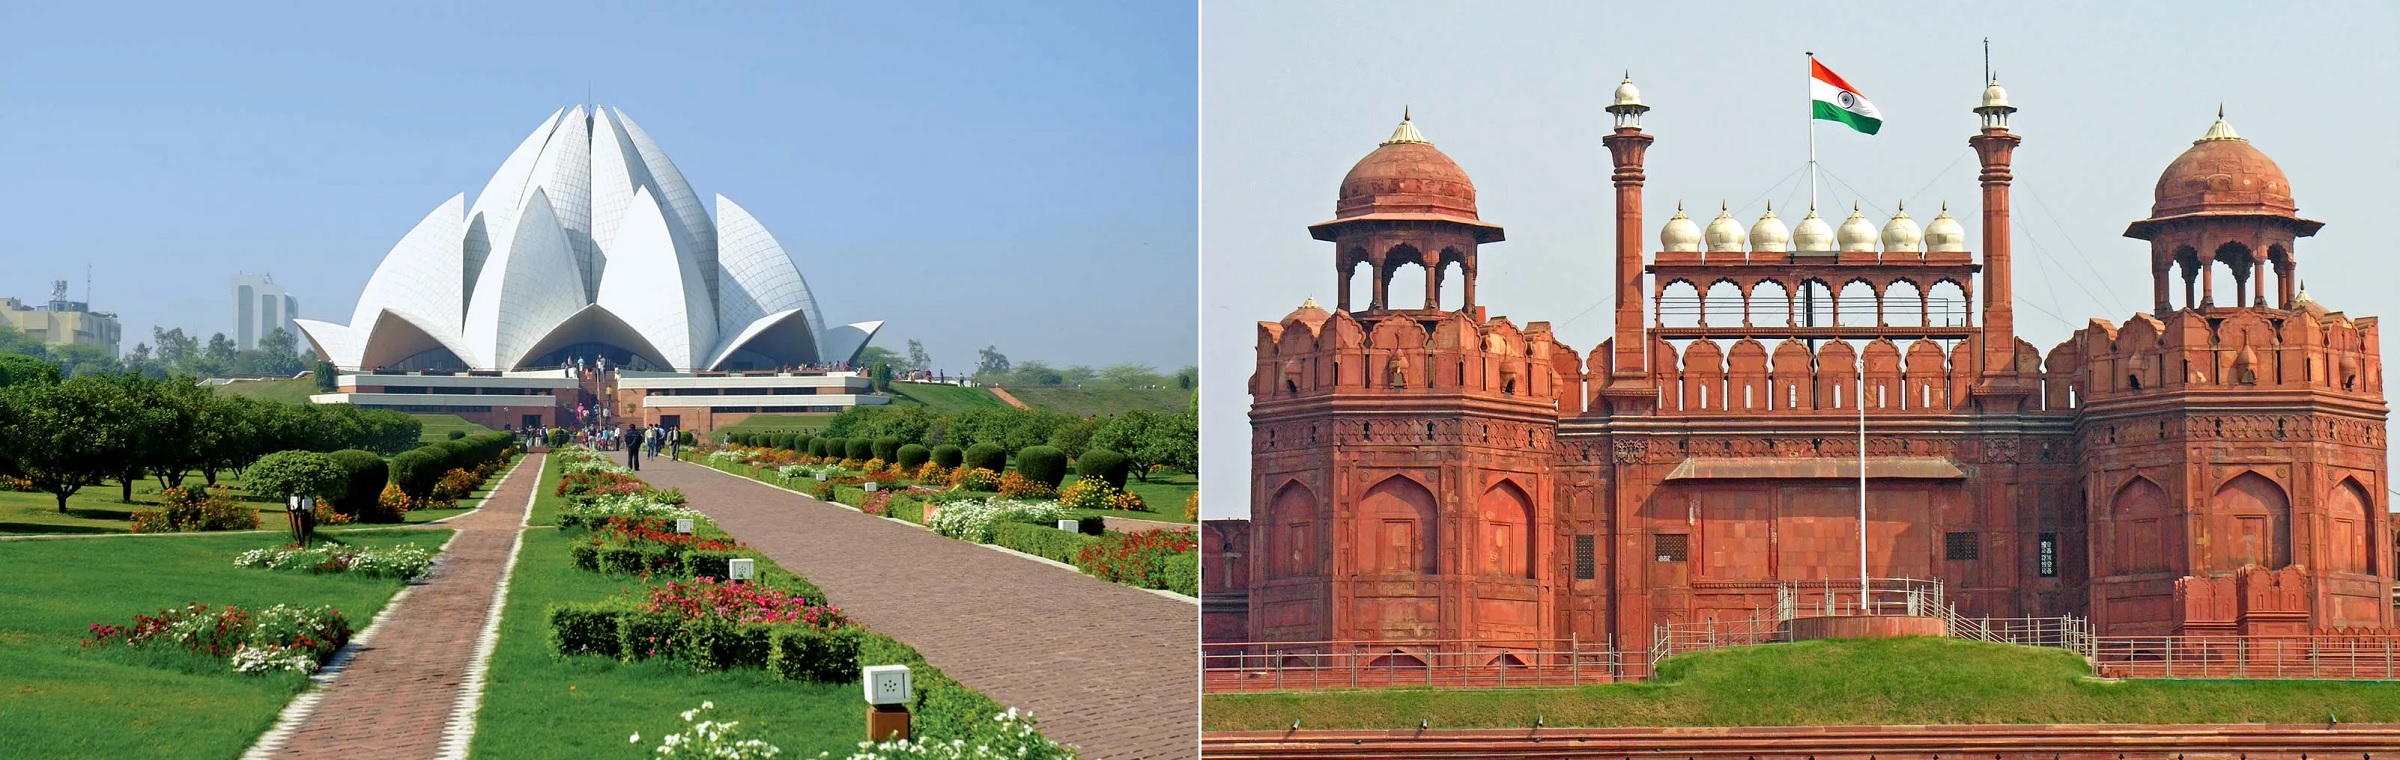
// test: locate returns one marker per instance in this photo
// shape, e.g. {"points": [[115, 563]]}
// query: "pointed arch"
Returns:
{"points": [[2350, 529], [1506, 516], [1396, 528], [2249, 523], [2145, 539], [1292, 543]]}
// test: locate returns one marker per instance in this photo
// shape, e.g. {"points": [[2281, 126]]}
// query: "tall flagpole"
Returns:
{"points": [[1812, 133], [1864, 608]]}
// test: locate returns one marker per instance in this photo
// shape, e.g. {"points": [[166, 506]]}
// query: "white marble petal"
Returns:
{"points": [[527, 288], [655, 289]]}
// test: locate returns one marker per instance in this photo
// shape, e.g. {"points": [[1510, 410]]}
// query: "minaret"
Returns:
{"points": [[1626, 144], [1993, 146]]}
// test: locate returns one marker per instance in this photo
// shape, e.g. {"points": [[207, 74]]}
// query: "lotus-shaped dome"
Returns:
{"points": [[1857, 235], [586, 242], [1769, 235], [1680, 235], [1724, 233], [1900, 235], [1943, 235]]}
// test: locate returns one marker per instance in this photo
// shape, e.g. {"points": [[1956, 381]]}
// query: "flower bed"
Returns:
{"points": [[406, 561], [1138, 559], [1097, 494], [650, 545], [281, 637], [972, 519], [710, 625], [183, 510]]}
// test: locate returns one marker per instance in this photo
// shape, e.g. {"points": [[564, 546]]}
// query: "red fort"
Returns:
{"points": [[1429, 478]]}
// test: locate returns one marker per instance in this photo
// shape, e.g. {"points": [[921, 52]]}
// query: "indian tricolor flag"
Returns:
{"points": [[1836, 100]]}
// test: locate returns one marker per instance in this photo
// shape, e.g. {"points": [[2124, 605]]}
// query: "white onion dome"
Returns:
{"points": [[1856, 234], [1994, 96], [1680, 235], [1627, 94], [1900, 235], [1724, 233], [1769, 235], [1813, 235], [1943, 235]]}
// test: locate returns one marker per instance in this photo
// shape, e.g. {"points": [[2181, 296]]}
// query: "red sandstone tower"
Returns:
{"points": [[1402, 450], [2233, 448]]}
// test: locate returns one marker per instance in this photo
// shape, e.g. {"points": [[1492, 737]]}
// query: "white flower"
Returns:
{"points": [[635, 739]]}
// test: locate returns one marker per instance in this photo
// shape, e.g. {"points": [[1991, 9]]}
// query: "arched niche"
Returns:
{"points": [[1506, 515], [2249, 523], [2146, 540], [1396, 528], [1292, 542], [2350, 532]]}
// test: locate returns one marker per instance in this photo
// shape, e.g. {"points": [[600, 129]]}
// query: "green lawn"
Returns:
{"points": [[288, 390], [95, 509], [947, 399], [759, 422], [438, 426], [1087, 402], [1162, 497], [540, 705], [57, 700], [1837, 682]]}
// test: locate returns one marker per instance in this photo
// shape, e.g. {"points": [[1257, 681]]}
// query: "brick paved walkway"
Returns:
{"points": [[394, 698], [1111, 669]]}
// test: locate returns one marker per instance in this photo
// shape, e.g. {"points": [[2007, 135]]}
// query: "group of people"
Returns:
{"points": [[637, 440]]}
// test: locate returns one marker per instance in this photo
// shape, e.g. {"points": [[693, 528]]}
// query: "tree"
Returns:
{"points": [[285, 474], [990, 363], [176, 351], [883, 376], [328, 380], [222, 349], [1036, 372], [81, 359], [1187, 378], [19, 368], [871, 355], [1130, 375], [67, 435], [277, 355], [918, 359], [1148, 438]]}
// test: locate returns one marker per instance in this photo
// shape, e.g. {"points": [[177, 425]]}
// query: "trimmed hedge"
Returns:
{"points": [[457, 434], [617, 628], [949, 456], [858, 448], [942, 709], [803, 443], [886, 448], [913, 456], [1183, 574], [417, 469], [1104, 465], [362, 496], [816, 446], [1042, 464], [912, 511], [1041, 540], [987, 456]]}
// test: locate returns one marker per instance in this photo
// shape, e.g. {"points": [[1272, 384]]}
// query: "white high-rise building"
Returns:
{"points": [[259, 307]]}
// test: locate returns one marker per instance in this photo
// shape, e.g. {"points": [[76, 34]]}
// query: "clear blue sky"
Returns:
{"points": [[1019, 175], [1293, 94]]}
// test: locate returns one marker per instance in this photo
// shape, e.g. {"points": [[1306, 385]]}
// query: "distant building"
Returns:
{"points": [[260, 307], [62, 322]]}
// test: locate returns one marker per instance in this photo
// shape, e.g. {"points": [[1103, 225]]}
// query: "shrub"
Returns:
{"points": [[1041, 541], [912, 457], [949, 456], [1043, 464], [1191, 507], [587, 628], [392, 501], [1088, 494], [974, 480], [709, 563], [986, 456], [1105, 466], [1183, 574], [886, 448], [1075, 436], [416, 471], [364, 476], [816, 446], [295, 473], [858, 448], [1017, 486], [454, 485], [802, 653], [912, 511], [457, 434], [643, 634]]}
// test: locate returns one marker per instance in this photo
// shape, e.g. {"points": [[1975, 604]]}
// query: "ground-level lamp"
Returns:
{"points": [[302, 512], [887, 702]]}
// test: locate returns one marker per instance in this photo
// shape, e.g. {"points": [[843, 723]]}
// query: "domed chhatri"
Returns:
{"points": [[1680, 235], [1943, 235], [1813, 235], [1769, 235], [1857, 235], [1724, 232], [1406, 176], [1900, 235], [2223, 174]]}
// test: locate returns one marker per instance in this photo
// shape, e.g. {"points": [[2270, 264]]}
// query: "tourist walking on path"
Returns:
{"points": [[633, 451]]}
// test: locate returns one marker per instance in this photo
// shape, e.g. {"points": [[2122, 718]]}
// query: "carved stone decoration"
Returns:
{"points": [[1632, 450], [2000, 450]]}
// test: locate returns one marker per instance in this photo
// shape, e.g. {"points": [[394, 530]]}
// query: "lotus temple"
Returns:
{"points": [[588, 247]]}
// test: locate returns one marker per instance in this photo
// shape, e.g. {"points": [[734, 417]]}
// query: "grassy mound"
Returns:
{"points": [[948, 399], [287, 390], [1085, 402], [1836, 682]]}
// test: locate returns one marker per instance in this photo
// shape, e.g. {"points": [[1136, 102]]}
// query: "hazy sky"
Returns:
{"points": [[1019, 175], [1293, 94]]}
